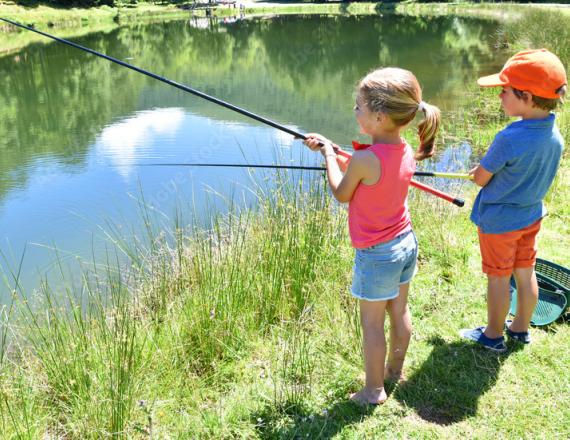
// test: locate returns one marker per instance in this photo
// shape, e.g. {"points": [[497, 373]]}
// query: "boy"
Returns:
{"points": [[515, 175]]}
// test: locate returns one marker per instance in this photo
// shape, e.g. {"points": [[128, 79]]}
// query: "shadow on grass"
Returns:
{"points": [[295, 421], [446, 388]]}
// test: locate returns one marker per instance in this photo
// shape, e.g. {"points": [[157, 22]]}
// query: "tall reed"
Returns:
{"points": [[252, 270], [90, 347]]}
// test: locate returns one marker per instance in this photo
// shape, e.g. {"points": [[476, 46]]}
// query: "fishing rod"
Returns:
{"points": [[449, 198], [293, 167], [345, 156], [165, 80]]}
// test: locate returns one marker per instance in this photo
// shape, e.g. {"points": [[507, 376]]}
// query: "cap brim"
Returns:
{"points": [[491, 81]]}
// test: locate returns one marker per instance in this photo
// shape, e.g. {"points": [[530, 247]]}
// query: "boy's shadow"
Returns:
{"points": [[447, 387]]}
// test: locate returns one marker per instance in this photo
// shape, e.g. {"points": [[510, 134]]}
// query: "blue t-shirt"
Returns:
{"points": [[523, 158]]}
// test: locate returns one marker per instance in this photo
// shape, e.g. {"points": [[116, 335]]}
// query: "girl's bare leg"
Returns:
{"points": [[372, 315], [400, 333]]}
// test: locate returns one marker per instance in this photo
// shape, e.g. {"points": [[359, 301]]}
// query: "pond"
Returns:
{"points": [[75, 129]]}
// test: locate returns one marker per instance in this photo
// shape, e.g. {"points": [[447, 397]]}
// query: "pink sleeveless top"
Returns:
{"points": [[378, 213]]}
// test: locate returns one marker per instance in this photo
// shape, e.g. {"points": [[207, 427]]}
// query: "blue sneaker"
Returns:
{"points": [[476, 334], [523, 337]]}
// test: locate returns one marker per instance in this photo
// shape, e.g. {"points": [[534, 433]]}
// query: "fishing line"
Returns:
{"points": [[232, 165], [291, 167]]}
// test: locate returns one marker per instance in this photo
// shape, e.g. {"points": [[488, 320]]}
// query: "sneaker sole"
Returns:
{"points": [[494, 350]]}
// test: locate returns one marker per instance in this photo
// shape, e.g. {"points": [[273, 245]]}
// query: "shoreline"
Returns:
{"points": [[49, 17], [76, 22]]}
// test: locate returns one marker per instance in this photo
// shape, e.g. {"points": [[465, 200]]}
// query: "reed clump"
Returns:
{"points": [[202, 298]]}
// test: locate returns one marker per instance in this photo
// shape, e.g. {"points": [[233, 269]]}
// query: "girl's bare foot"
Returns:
{"points": [[375, 396], [393, 374]]}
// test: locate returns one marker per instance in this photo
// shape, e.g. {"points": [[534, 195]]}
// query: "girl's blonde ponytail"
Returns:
{"points": [[427, 129], [397, 93]]}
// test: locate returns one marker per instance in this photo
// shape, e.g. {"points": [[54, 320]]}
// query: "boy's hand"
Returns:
{"points": [[480, 175]]}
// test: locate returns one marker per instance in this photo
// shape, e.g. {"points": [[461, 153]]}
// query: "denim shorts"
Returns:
{"points": [[380, 269]]}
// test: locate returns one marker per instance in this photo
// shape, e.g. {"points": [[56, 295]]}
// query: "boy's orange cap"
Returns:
{"points": [[539, 72]]}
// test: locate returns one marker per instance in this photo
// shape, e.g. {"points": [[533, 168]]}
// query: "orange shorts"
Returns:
{"points": [[501, 253]]}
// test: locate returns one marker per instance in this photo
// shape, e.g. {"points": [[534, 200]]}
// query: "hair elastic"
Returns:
{"points": [[422, 106]]}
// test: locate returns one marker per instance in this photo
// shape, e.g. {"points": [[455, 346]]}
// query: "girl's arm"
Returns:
{"points": [[358, 170], [342, 187]]}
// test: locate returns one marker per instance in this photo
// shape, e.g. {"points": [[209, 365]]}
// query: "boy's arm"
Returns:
{"points": [[480, 175], [495, 160]]}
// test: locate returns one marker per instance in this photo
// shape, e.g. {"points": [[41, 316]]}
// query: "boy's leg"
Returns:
{"points": [[525, 276], [498, 303], [498, 254], [527, 297], [400, 333], [372, 315]]}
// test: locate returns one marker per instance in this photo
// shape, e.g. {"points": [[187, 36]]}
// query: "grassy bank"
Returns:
{"points": [[247, 330], [75, 22], [42, 16], [45, 16]]}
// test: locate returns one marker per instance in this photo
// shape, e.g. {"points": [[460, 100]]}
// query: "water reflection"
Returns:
{"points": [[73, 126], [68, 214], [455, 158], [122, 143]]}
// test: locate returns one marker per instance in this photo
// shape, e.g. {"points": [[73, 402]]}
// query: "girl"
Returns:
{"points": [[376, 187]]}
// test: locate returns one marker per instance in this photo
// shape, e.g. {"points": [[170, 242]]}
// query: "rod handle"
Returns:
{"points": [[456, 201]]}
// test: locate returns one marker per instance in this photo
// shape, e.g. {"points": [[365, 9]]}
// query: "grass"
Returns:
{"points": [[74, 22], [246, 329]]}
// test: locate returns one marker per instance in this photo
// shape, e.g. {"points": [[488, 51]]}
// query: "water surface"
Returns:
{"points": [[74, 129]]}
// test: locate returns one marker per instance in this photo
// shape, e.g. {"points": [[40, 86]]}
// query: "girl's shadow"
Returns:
{"points": [[293, 421], [447, 387]]}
